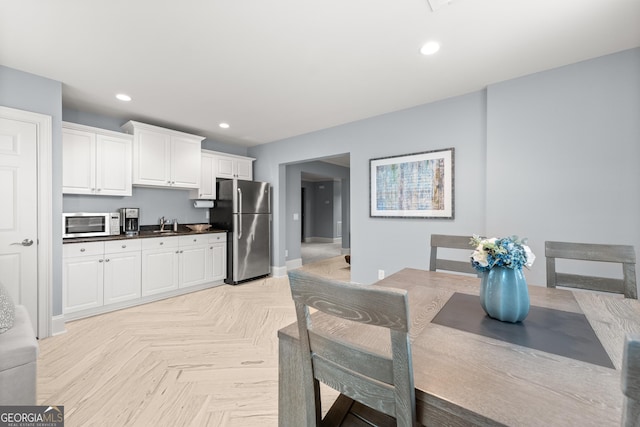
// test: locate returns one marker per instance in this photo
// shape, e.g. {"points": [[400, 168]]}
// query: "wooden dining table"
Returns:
{"points": [[561, 366]]}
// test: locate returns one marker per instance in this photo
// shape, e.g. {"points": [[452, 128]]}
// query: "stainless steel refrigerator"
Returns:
{"points": [[244, 209]]}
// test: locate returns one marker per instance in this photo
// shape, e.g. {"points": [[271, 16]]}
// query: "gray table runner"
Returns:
{"points": [[553, 331]]}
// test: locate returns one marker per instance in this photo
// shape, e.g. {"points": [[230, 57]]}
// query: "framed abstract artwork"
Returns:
{"points": [[418, 185]]}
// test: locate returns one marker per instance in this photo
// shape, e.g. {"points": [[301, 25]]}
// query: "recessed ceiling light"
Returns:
{"points": [[123, 97], [224, 125], [430, 48]]}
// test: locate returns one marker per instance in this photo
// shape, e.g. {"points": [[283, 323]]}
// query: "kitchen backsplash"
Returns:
{"points": [[153, 203]]}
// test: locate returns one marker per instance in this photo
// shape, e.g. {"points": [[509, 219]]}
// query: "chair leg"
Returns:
{"points": [[338, 411]]}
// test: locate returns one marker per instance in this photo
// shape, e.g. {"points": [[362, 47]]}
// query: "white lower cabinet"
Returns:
{"points": [[100, 273], [193, 260], [216, 268], [122, 268], [83, 282], [160, 270], [97, 274]]}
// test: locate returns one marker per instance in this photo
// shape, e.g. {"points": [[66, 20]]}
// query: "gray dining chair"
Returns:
{"points": [[450, 242], [621, 254], [383, 384], [631, 382]]}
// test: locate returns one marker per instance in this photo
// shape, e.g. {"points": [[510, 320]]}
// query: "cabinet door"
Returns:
{"points": [[225, 167], [159, 271], [151, 158], [78, 162], [217, 261], [244, 169], [193, 265], [113, 166], [82, 279], [122, 277], [207, 188], [185, 162]]}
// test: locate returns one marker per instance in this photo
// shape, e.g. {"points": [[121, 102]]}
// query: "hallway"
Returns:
{"points": [[314, 252]]}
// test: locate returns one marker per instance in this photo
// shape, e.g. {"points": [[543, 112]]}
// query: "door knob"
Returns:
{"points": [[25, 242]]}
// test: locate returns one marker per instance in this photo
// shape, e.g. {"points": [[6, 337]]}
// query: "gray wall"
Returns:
{"points": [[562, 155], [317, 225], [547, 156], [323, 206], [37, 94]]}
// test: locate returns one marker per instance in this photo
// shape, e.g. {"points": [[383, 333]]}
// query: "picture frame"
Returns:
{"points": [[418, 185]]}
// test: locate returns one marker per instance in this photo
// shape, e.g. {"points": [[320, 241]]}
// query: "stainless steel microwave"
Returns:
{"points": [[82, 224]]}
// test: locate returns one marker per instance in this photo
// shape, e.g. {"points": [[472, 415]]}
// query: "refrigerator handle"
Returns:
{"points": [[239, 213]]}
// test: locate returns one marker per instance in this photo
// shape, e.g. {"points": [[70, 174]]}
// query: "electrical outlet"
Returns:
{"points": [[380, 274], [206, 214], [286, 252]]}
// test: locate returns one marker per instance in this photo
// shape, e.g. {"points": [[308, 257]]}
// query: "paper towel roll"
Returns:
{"points": [[203, 204]]}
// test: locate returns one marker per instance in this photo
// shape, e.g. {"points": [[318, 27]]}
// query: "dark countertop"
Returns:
{"points": [[146, 231]]}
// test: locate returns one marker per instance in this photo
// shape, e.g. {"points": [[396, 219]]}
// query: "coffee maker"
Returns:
{"points": [[130, 221]]}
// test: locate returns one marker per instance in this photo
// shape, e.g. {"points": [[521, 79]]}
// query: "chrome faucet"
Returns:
{"points": [[162, 223]]}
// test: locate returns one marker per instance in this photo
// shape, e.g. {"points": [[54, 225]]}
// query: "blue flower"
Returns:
{"points": [[508, 252]]}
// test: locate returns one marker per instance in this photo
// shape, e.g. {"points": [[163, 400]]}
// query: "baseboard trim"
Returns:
{"points": [[278, 271], [139, 301], [323, 239], [293, 264], [345, 251], [57, 325]]}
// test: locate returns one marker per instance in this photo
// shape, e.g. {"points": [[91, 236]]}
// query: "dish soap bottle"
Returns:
{"points": [[175, 225]]}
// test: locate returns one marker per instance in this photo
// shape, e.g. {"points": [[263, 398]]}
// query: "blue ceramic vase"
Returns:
{"points": [[504, 294]]}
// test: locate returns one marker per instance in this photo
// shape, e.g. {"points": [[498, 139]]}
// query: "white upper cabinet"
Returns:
{"points": [[95, 161], [230, 166], [164, 157], [221, 165], [207, 188]]}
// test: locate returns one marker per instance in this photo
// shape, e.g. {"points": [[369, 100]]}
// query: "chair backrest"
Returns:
{"points": [[377, 381], [631, 382], [451, 242], [623, 254]]}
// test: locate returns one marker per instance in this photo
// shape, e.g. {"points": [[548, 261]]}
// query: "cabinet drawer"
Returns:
{"points": [[121, 246], [82, 249], [160, 243], [199, 239], [217, 238]]}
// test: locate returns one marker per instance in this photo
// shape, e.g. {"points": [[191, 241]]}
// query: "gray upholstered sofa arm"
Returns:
{"points": [[18, 362]]}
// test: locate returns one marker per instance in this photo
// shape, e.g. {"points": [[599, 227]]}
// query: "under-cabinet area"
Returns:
{"points": [[101, 276]]}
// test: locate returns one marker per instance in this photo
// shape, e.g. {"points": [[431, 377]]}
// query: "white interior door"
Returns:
{"points": [[18, 213]]}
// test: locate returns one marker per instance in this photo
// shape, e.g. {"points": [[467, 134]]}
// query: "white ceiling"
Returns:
{"points": [[278, 68]]}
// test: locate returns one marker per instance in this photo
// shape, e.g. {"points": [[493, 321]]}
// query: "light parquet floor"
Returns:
{"points": [[209, 358]]}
